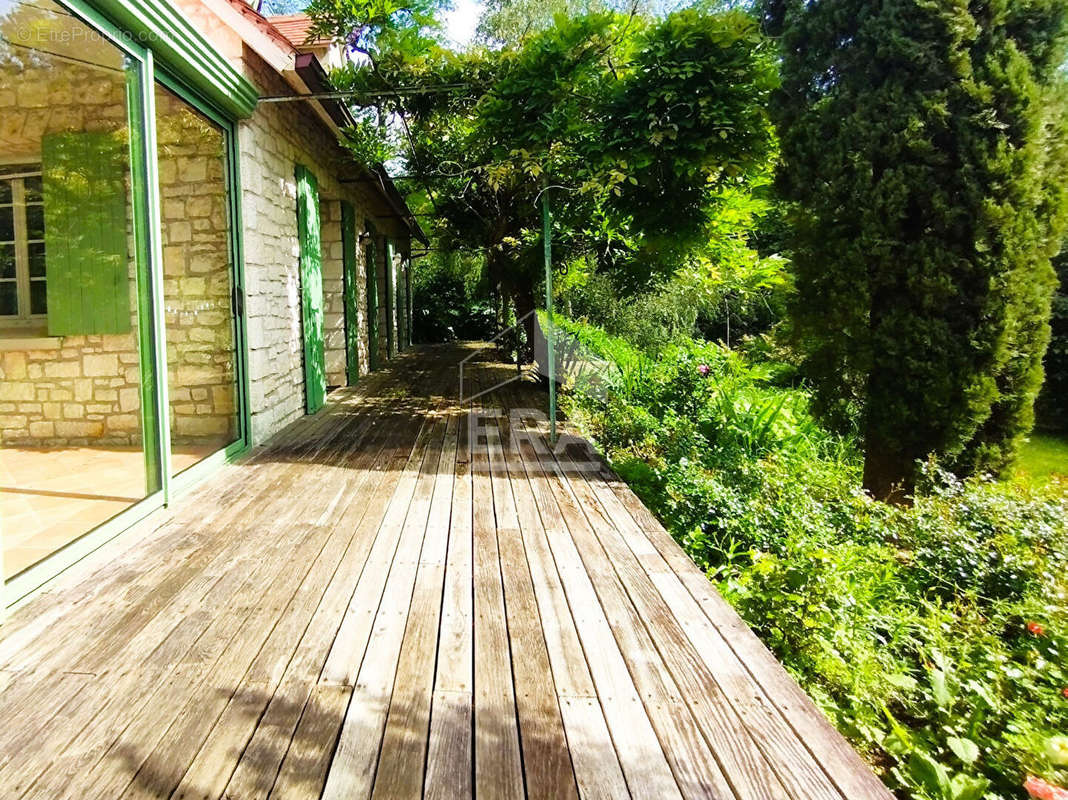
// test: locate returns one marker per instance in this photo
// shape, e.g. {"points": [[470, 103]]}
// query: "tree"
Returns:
{"points": [[508, 22], [635, 128], [370, 28], [923, 150]]}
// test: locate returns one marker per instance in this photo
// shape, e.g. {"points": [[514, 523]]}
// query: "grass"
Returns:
{"points": [[1044, 459]]}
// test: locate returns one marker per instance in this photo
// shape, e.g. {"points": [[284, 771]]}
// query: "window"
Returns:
{"points": [[23, 297]]}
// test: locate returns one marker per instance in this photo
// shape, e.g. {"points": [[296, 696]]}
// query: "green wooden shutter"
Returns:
{"points": [[348, 268], [88, 288], [311, 288], [370, 256], [408, 298], [402, 310], [390, 305]]}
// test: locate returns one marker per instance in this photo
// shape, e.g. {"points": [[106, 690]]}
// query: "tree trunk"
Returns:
{"points": [[498, 308], [888, 475], [524, 310]]}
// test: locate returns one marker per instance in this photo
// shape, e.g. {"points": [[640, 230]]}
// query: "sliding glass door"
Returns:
{"points": [[121, 341], [198, 286], [79, 442]]}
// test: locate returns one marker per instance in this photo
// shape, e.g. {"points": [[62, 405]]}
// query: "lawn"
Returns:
{"points": [[1042, 458]]}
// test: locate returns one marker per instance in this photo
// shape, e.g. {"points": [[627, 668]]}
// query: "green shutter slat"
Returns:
{"points": [[348, 269], [311, 287], [84, 199], [85, 233]]}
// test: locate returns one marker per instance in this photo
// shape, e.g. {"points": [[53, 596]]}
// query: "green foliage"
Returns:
{"points": [[368, 143], [450, 301], [508, 22], [923, 146], [374, 27], [629, 122], [933, 636], [691, 119], [725, 289]]}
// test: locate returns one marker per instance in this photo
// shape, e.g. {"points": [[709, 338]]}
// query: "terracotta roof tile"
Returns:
{"points": [[295, 28], [260, 21]]}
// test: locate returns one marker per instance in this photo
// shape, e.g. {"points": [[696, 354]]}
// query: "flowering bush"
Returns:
{"points": [[933, 636]]}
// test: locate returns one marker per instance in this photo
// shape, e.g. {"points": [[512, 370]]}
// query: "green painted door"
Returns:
{"points": [[348, 262], [372, 299], [311, 288]]}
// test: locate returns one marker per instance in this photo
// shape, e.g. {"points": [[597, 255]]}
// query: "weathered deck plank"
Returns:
{"points": [[378, 604]]}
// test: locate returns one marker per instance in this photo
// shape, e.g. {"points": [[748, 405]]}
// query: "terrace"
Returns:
{"points": [[398, 598]]}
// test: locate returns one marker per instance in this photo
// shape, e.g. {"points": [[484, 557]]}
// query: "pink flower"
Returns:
{"points": [[1041, 790], [704, 369], [1064, 692], [1035, 629]]}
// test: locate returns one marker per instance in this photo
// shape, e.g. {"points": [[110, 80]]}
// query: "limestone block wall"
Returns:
{"points": [[70, 390], [333, 293], [76, 390], [197, 283], [77, 394], [272, 142]]}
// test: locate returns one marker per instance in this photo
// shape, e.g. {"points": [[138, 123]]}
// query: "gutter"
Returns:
{"points": [[314, 77]]}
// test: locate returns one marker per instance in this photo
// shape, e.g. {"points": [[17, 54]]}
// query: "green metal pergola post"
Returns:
{"points": [[550, 355]]}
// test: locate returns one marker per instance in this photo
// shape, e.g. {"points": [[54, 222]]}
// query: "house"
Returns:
{"points": [[189, 259]]}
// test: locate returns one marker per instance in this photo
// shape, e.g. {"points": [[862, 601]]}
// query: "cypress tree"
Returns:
{"points": [[924, 156]]}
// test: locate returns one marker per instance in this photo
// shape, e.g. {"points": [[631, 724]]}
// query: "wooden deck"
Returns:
{"points": [[397, 599]]}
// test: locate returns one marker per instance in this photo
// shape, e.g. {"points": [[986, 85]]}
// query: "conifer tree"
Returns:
{"points": [[923, 151]]}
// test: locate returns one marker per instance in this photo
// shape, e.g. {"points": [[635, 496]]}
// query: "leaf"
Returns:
{"points": [[964, 749], [940, 689], [906, 682], [965, 787], [930, 775]]}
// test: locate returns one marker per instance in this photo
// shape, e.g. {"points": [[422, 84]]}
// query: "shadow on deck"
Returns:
{"points": [[401, 598]]}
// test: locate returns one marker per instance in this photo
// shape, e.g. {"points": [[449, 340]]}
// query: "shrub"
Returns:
{"points": [[933, 636], [450, 301]]}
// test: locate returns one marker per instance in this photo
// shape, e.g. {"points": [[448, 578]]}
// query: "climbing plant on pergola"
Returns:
{"points": [[634, 126]]}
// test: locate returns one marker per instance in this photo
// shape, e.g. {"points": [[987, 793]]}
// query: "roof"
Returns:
{"points": [[295, 28], [260, 21]]}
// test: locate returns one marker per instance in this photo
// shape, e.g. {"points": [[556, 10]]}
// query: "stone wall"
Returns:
{"points": [[76, 390], [273, 141], [197, 284], [333, 293], [69, 390]]}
